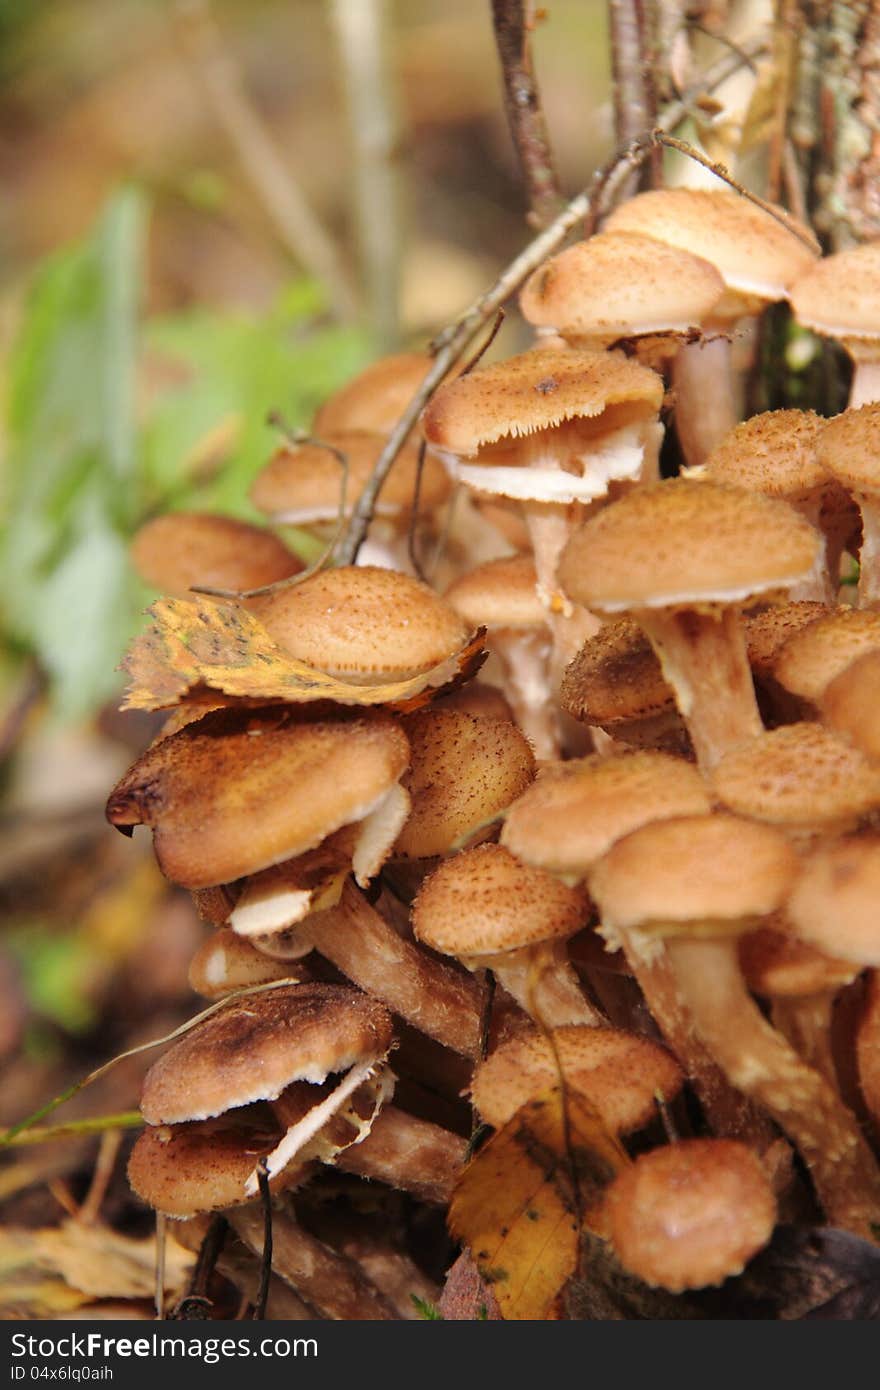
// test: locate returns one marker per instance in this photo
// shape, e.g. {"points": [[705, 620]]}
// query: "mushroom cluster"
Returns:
{"points": [[640, 860]]}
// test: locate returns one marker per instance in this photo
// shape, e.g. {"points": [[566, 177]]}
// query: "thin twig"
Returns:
{"points": [[294, 220], [266, 1255], [108, 1152], [525, 114], [634, 109], [363, 42]]}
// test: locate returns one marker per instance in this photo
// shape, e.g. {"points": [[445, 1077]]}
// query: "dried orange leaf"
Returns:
{"points": [[199, 642], [516, 1204]]}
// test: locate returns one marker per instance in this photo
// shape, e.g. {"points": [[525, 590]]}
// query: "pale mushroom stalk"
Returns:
{"points": [[525, 660], [806, 1023], [765, 1067], [865, 386], [869, 554], [409, 1154], [705, 396], [543, 982]]}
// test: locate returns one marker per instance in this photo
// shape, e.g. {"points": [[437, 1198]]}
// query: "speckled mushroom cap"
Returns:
{"points": [[485, 901], [811, 659], [801, 776], [537, 390], [850, 704], [375, 399], [172, 553], [183, 1170], [773, 453], [301, 483], [755, 254], [225, 962], [777, 965], [690, 1214], [681, 542], [616, 676], [839, 296], [464, 771], [235, 792], [362, 623], [499, 593], [769, 629], [621, 284], [715, 874], [834, 903], [255, 1046], [619, 1073], [576, 810], [849, 447]]}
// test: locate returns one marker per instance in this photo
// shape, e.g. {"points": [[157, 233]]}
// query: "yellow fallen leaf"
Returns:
{"points": [[100, 1262], [202, 643], [517, 1207]]}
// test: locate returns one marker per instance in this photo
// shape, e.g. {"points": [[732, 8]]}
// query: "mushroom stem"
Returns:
{"points": [[332, 1284], [435, 997], [543, 982], [869, 553], [806, 1023], [409, 1154], [865, 386], [525, 658], [766, 1068], [868, 1048], [704, 658], [705, 398]]}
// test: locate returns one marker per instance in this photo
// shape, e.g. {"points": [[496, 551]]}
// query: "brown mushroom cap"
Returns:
{"points": [[485, 902], [800, 776], [681, 542], [773, 453], [851, 707], [500, 593], [464, 771], [779, 966], [811, 659], [713, 873], [255, 1046], [301, 483], [620, 284], [616, 676], [755, 254], [769, 629], [174, 552], [574, 811], [375, 399], [690, 1214], [834, 903], [537, 390], [619, 1073], [183, 1170], [840, 295], [849, 447], [362, 623], [236, 792]]}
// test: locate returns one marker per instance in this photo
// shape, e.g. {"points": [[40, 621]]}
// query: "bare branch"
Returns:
{"points": [[634, 103], [525, 114], [293, 218]]}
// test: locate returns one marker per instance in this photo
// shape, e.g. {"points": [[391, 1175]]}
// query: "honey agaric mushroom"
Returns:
{"points": [[618, 1072], [616, 683], [849, 447], [175, 552], [683, 557], [776, 454], [839, 297], [833, 905], [239, 791], [690, 1214], [697, 883], [850, 705], [757, 256], [491, 911], [375, 399], [464, 772], [811, 658]]}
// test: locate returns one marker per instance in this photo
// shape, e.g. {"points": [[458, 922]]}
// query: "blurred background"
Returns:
{"points": [[207, 213]]}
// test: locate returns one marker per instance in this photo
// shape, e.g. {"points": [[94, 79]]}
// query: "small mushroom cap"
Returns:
{"points": [[174, 552], [811, 659], [620, 284], [773, 453], [225, 962], [363, 623], [769, 629], [779, 966], [690, 1214], [834, 903], [849, 447], [255, 1046], [619, 1073], [683, 542], [183, 1170], [376, 398], [616, 676], [755, 254], [840, 295], [575, 811], [799, 776], [302, 483], [485, 902], [477, 698], [850, 704], [464, 771], [500, 593], [237, 792], [537, 390], [715, 873]]}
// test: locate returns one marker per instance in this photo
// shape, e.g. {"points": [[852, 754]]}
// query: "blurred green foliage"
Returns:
{"points": [[109, 421]]}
